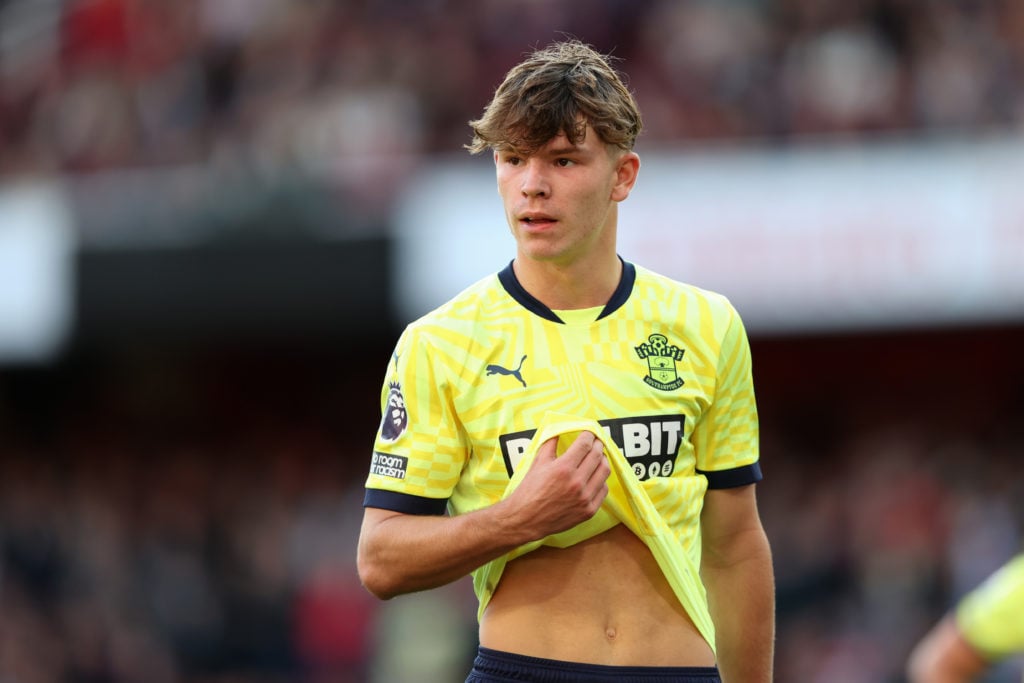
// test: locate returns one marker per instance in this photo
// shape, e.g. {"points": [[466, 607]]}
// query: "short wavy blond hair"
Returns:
{"points": [[558, 89]]}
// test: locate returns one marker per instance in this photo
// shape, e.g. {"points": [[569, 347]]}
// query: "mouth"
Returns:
{"points": [[537, 220]]}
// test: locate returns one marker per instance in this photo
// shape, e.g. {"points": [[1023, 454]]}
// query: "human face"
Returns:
{"points": [[561, 200]]}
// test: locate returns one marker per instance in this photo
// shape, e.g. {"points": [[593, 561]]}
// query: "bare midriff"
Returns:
{"points": [[601, 601]]}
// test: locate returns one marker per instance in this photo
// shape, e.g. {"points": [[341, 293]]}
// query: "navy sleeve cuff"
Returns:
{"points": [[405, 503], [739, 476]]}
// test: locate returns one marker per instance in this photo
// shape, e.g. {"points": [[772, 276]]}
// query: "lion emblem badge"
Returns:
{"points": [[395, 419]]}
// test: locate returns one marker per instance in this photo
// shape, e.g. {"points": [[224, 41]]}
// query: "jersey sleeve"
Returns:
{"points": [[991, 617], [419, 449], [726, 437]]}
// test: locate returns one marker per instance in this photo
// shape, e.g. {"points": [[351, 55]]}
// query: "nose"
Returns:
{"points": [[534, 180]]}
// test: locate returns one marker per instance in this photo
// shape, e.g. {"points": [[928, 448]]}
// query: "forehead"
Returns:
{"points": [[588, 141]]}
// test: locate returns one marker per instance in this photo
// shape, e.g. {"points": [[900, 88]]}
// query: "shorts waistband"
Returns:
{"points": [[516, 667]]}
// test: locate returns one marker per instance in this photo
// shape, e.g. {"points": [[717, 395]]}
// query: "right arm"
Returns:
{"points": [[401, 553]]}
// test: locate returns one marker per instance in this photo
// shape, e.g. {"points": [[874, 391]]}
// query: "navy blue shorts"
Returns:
{"points": [[494, 666]]}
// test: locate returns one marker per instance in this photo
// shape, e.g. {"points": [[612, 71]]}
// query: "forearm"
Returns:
{"points": [[406, 553], [943, 656], [401, 553], [741, 597]]}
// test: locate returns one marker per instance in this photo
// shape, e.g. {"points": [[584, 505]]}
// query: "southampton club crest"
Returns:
{"points": [[395, 416], [661, 362]]}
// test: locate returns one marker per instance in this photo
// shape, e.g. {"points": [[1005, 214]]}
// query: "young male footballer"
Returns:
{"points": [[577, 432]]}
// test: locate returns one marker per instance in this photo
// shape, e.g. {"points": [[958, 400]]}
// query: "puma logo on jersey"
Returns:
{"points": [[495, 369]]}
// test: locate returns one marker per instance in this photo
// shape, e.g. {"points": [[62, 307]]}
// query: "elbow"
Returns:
{"points": [[378, 586], [375, 578], [922, 664], [918, 668]]}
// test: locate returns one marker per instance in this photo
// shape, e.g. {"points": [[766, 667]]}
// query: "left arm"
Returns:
{"points": [[736, 566]]}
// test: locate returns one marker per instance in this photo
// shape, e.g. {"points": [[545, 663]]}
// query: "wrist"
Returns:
{"points": [[509, 525]]}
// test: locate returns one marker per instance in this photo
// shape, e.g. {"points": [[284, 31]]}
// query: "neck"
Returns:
{"points": [[571, 285]]}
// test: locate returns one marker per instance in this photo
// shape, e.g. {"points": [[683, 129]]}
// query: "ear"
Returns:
{"points": [[627, 167]]}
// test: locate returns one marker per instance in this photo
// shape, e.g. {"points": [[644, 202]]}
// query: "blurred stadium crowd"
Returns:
{"points": [[99, 84], [166, 519], [193, 518]]}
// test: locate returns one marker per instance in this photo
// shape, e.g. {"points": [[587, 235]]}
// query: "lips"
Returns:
{"points": [[536, 220]]}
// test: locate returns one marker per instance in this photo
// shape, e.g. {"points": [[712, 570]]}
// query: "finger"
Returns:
{"points": [[580, 448], [548, 449], [594, 465]]}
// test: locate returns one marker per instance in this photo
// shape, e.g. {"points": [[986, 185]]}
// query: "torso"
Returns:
{"points": [[601, 601], [479, 376]]}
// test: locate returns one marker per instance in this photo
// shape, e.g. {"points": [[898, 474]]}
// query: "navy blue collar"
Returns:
{"points": [[511, 284]]}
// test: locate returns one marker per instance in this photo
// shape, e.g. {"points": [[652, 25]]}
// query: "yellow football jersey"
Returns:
{"points": [[664, 369]]}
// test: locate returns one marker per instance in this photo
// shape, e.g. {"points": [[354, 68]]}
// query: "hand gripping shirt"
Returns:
{"points": [[664, 372], [991, 617]]}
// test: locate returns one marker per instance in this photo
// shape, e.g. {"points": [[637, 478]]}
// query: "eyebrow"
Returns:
{"points": [[561, 150], [564, 149]]}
